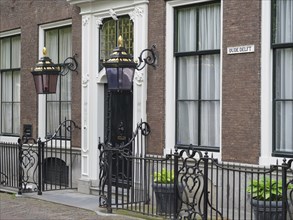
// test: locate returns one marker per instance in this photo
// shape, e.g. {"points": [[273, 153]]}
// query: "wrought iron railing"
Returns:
{"points": [[203, 187], [9, 164]]}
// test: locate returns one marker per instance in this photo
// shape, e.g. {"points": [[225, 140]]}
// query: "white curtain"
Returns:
{"points": [[10, 85], [284, 109], [16, 102], [15, 52], [209, 27], [59, 47], [6, 102], [284, 24], [186, 29], [189, 72], [210, 106], [187, 108], [5, 53]]}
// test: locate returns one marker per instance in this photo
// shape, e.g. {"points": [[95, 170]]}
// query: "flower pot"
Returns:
{"points": [[264, 210], [165, 198]]}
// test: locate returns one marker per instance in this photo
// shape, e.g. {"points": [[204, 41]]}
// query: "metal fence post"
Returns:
{"points": [[42, 167], [176, 212], [39, 166], [109, 190], [205, 186], [19, 166], [284, 189]]}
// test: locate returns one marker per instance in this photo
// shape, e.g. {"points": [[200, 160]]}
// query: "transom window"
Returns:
{"points": [[58, 42], [10, 85], [109, 34], [197, 52], [282, 45]]}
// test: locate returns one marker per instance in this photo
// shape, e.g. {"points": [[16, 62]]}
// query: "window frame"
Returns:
{"points": [[12, 70], [197, 53], [42, 98], [275, 100], [59, 101]]}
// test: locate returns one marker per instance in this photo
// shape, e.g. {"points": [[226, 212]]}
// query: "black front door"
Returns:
{"points": [[120, 132]]}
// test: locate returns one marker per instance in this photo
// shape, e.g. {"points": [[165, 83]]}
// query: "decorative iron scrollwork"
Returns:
{"points": [[145, 128], [103, 175], [192, 176], [150, 58], [67, 125], [69, 64], [28, 165]]}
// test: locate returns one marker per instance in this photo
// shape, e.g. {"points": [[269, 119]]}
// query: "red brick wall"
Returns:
{"points": [[241, 82], [27, 15], [156, 78]]}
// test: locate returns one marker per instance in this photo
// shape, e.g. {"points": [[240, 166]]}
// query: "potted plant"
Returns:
{"points": [[266, 198], [163, 187]]}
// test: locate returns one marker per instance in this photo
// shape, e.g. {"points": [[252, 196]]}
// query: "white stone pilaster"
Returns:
{"points": [[88, 102], [140, 19]]}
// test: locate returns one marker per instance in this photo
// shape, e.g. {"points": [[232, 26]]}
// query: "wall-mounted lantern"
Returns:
{"points": [[46, 73], [120, 67]]}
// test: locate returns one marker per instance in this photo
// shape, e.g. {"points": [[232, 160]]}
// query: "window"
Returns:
{"points": [[109, 34], [10, 85], [58, 106], [282, 45], [197, 52]]}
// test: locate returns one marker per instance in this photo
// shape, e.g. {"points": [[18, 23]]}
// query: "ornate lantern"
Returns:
{"points": [[46, 73], [120, 68]]}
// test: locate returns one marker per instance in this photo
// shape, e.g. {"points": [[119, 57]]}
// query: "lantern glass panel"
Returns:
{"points": [[45, 83], [127, 78], [120, 78], [112, 78]]}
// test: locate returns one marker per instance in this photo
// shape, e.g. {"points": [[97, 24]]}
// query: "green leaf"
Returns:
{"points": [[164, 176]]}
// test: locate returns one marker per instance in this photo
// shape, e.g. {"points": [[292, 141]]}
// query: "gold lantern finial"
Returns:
{"points": [[44, 51], [120, 41]]}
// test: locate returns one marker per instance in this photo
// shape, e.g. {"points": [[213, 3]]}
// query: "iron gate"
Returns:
{"points": [[203, 188], [40, 165]]}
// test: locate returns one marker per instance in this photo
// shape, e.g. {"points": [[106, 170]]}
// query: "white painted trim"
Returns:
{"points": [[170, 80], [8, 139], [56, 24], [170, 75], [266, 83], [101, 76], [10, 33], [176, 3], [93, 81], [84, 165], [219, 154], [103, 6]]}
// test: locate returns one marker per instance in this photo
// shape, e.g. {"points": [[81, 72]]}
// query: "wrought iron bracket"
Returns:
{"points": [[69, 64], [149, 59]]}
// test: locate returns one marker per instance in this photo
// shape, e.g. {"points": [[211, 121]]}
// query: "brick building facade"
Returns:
{"points": [[25, 18], [227, 106]]}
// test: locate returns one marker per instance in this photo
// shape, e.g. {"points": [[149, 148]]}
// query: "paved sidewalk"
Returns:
{"points": [[55, 205]]}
